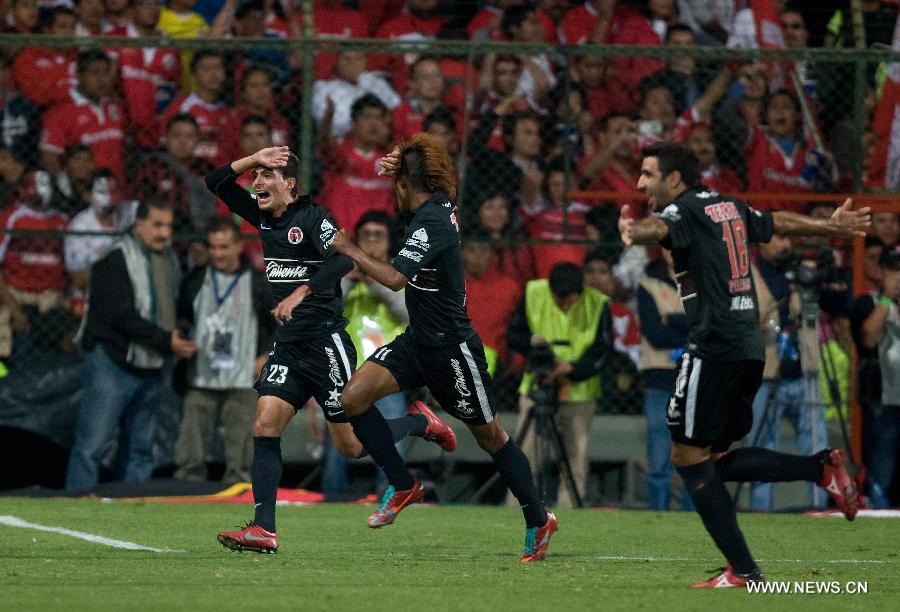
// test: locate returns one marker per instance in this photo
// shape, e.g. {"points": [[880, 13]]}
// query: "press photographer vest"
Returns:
{"points": [[668, 302], [577, 327], [371, 323]]}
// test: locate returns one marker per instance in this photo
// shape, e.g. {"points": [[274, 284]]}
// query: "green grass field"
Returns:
{"points": [[434, 558]]}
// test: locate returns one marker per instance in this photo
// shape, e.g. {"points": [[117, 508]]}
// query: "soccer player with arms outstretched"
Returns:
{"points": [[440, 349], [711, 406], [313, 355]]}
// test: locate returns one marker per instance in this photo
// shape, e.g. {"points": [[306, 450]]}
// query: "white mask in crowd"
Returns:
{"points": [[104, 195], [36, 188]]}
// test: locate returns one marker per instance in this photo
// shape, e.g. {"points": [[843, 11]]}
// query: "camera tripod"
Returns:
{"points": [[548, 443], [821, 354]]}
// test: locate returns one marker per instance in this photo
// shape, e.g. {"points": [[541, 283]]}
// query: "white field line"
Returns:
{"points": [[667, 559], [14, 521]]}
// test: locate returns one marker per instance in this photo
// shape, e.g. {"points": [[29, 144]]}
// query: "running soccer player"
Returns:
{"points": [[313, 355], [440, 349], [721, 370]]}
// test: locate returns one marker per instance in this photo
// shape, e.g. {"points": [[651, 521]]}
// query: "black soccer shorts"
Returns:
{"points": [[456, 375], [712, 404], [317, 367]]}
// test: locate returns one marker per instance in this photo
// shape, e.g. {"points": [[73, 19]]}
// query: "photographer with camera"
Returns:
{"points": [[784, 283], [565, 331], [875, 323]]}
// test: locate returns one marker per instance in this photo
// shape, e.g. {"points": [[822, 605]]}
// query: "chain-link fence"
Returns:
{"points": [[546, 140]]}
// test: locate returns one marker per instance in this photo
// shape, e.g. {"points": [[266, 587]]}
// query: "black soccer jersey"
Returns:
{"points": [[295, 246], [432, 261], [709, 235]]}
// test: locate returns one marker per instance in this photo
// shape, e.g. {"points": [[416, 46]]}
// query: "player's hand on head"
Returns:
{"points": [[390, 163], [852, 222], [273, 157]]}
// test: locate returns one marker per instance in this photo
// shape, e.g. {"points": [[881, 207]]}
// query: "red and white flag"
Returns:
{"points": [[770, 36], [884, 166]]}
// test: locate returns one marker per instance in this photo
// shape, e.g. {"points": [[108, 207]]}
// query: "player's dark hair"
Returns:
{"points": [[256, 120], [224, 224], [144, 206], [364, 102], [86, 58], [673, 156], [426, 165], [514, 16], [565, 279], [292, 170], [201, 55], [440, 115], [182, 118]]}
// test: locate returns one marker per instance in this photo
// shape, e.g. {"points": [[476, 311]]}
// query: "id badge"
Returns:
{"points": [[222, 353]]}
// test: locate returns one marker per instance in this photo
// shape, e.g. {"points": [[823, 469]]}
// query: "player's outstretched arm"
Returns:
{"points": [[844, 222], [380, 271], [644, 231]]}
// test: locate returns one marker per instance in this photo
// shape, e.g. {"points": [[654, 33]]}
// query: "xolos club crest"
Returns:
{"points": [[295, 235]]}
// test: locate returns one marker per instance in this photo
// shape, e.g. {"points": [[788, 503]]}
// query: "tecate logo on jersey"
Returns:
{"points": [[280, 273]]}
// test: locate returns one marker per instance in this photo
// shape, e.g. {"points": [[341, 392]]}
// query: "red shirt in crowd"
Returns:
{"points": [[56, 68], [722, 179], [80, 121], [770, 169], [352, 185], [404, 27], [210, 117], [554, 224], [626, 331], [513, 260], [230, 143], [33, 263], [333, 21], [150, 81], [491, 301]]}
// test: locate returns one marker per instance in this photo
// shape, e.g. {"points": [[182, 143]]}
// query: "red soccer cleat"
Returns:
{"points": [[393, 502], [837, 482], [251, 537], [727, 579], [537, 540], [437, 431]]}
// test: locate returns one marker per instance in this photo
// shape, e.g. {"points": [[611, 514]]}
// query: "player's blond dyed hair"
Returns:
{"points": [[426, 165]]}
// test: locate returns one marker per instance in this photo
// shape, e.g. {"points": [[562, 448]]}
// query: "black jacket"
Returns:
{"points": [[112, 318]]}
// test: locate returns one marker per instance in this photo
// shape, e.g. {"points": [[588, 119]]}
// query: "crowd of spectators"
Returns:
{"points": [[85, 136]]}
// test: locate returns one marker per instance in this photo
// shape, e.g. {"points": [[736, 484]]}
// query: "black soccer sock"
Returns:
{"points": [[265, 472], [515, 470], [375, 434], [409, 425], [763, 465], [714, 505]]}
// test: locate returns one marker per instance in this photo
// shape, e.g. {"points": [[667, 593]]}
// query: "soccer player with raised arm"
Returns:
{"points": [[313, 355], [711, 406], [440, 349]]}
